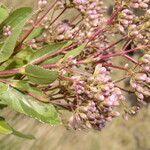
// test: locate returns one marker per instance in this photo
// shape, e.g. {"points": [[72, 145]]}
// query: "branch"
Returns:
{"points": [[33, 27], [116, 67], [54, 54], [123, 52], [12, 72]]}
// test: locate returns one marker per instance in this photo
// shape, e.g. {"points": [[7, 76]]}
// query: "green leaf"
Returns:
{"points": [[40, 75], [29, 106], [3, 13], [19, 60], [35, 33], [47, 50], [25, 54], [24, 86], [21, 135], [2, 104], [5, 128], [53, 60], [16, 16], [3, 88], [75, 52], [8, 47]]}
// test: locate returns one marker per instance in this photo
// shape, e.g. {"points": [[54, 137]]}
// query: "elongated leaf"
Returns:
{"points": [[48, 49], [75, 52], [25, 54], [3, 13], [35, 33], [7, 49], [5, 128], [15, 17], [2, 105], [3, 88], [53, 60], [24, 86], [31, 107], [22, 135], [40, 75], [20, 59]]}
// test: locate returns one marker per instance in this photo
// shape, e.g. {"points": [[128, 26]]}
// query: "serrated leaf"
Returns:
{"points": [[3, 13], [8, 47], [75, 52], [29, 106], [16, 16], [40, 75], [47, 50], [5, 128]]}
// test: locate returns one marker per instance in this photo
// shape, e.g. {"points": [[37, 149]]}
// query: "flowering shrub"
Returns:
{"points": [[51, 60]]}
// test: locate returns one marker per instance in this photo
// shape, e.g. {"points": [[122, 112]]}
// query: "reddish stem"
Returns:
{"points": [[109, 22], [116, 67], [110, 46], [58, 16], [9, 72], [130, 58], [122, 52], [54, 54], [34, 26], [49, 66]]}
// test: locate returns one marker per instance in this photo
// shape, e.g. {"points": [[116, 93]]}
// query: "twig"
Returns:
{"points": [[33, 27], [12, 72], [58, 16], [127, 91], [116, 67], [112, 45], [123, 52], [54, 54]]}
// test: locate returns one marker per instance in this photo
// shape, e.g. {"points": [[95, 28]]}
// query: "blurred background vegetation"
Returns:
{"points": [[133, 134]]}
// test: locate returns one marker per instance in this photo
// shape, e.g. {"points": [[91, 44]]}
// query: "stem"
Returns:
{"points": [[33, 27], [127, 91], [58, 16], [131, 59], [49, 66], [109, 22], [98, 32], [126, 56], [54, 54], [116, 67], [117, 81], [123, 52], [12, 72], [63, 105], [126, 44], [66, 79], [112, 45], [37, 98], [74, 18]]}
